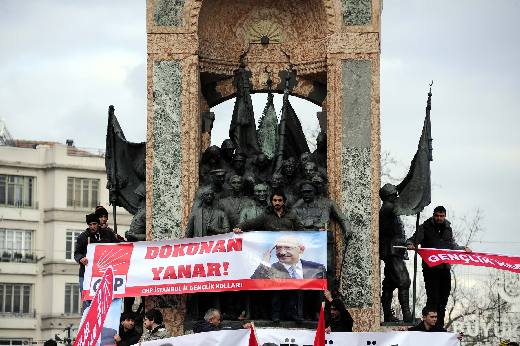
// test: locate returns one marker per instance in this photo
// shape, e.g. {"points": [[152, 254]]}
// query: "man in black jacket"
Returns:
{"points": [[436, 233], [93, 234], [127, 334], [337, 317], [428, 323], [275, 218]]}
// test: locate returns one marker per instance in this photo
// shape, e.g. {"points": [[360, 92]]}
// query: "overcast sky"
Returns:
{"points": [[63, 62]]}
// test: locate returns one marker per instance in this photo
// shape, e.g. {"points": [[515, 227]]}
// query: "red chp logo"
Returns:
{"points": [[116, 256]]}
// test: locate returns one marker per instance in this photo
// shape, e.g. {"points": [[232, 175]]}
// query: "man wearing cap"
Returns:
{"points": [[93, 234], [102, 215], [289, 303]]}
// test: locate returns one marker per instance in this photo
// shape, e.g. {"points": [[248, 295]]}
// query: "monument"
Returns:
{"points": [[201, 53]]}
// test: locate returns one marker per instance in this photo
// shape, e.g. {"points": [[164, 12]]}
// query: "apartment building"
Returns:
{"points": [[46, 189]]}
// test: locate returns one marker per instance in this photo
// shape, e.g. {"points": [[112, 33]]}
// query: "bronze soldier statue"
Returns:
{"points": [[206, 219], [391, 233]]}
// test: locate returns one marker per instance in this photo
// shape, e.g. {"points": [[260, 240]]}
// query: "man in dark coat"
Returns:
{"points": [[93, 234], [428, 323], [391, 233], [337, 317], [436, 233], [210, 323], [275, 218], [127, 334]]}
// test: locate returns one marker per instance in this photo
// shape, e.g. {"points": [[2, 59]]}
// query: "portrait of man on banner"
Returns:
{"points": [[290, 265]]}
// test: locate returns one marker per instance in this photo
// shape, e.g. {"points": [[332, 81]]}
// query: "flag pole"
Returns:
{"points": [[114, 185], [414, 289]]}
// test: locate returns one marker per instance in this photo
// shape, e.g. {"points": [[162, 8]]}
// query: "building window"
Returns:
{"points": [[72, 299], [17, 191], [82, 192], [15, 298], [14, 342], [16, 245], [70, 241]]}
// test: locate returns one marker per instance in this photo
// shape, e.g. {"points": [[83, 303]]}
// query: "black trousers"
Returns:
{"points": [[437, 281]]}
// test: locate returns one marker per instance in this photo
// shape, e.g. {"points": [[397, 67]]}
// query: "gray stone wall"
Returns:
{"points": [[356, 180], [167, 150], [168, 12], [357, 12]]}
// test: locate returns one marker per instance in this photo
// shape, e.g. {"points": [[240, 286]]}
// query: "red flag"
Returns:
{"points": [[319, 339], [90, 330], [252, 336]]}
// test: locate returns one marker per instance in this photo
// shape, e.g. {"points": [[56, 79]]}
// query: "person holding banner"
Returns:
{"points": [[93, 234], [337, 317], [436, 233], [127, 334], [276, 217], [429, 323]]}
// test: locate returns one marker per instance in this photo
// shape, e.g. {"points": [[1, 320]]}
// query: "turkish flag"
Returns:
{"points": [[319, 339]]}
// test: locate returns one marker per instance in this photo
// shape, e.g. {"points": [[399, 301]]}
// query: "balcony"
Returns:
{"points": [[19, 257]]}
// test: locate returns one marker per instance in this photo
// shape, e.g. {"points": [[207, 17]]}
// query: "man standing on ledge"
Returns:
{"points": [[275, 218], [436, 233]]}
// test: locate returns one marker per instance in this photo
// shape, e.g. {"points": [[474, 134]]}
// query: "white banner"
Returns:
{"points": [[224, 337], [227, 262], [296, 337]]}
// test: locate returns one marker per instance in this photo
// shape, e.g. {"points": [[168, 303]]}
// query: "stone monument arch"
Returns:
{"points": [[332, 50]]}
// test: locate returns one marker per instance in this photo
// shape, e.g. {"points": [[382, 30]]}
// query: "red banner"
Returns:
{"points": [[434, 257], [90, 329]]}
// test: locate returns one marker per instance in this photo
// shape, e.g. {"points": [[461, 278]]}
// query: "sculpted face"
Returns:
{"points": [[310, 169], [308, 193], [289, 167], [207, 197], [219, 177], [288, 254], [277, 181], [261, 193], [239, 163], [304, 158], [236, 183]]}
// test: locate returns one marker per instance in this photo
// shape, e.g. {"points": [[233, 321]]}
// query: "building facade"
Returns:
{"points": [[45, 191]]}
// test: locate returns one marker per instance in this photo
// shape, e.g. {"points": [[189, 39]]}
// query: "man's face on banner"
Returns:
{"points": [[288, 254]]}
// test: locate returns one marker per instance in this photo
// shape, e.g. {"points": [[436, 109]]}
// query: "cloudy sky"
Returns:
{"points": [[63, 62]]}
